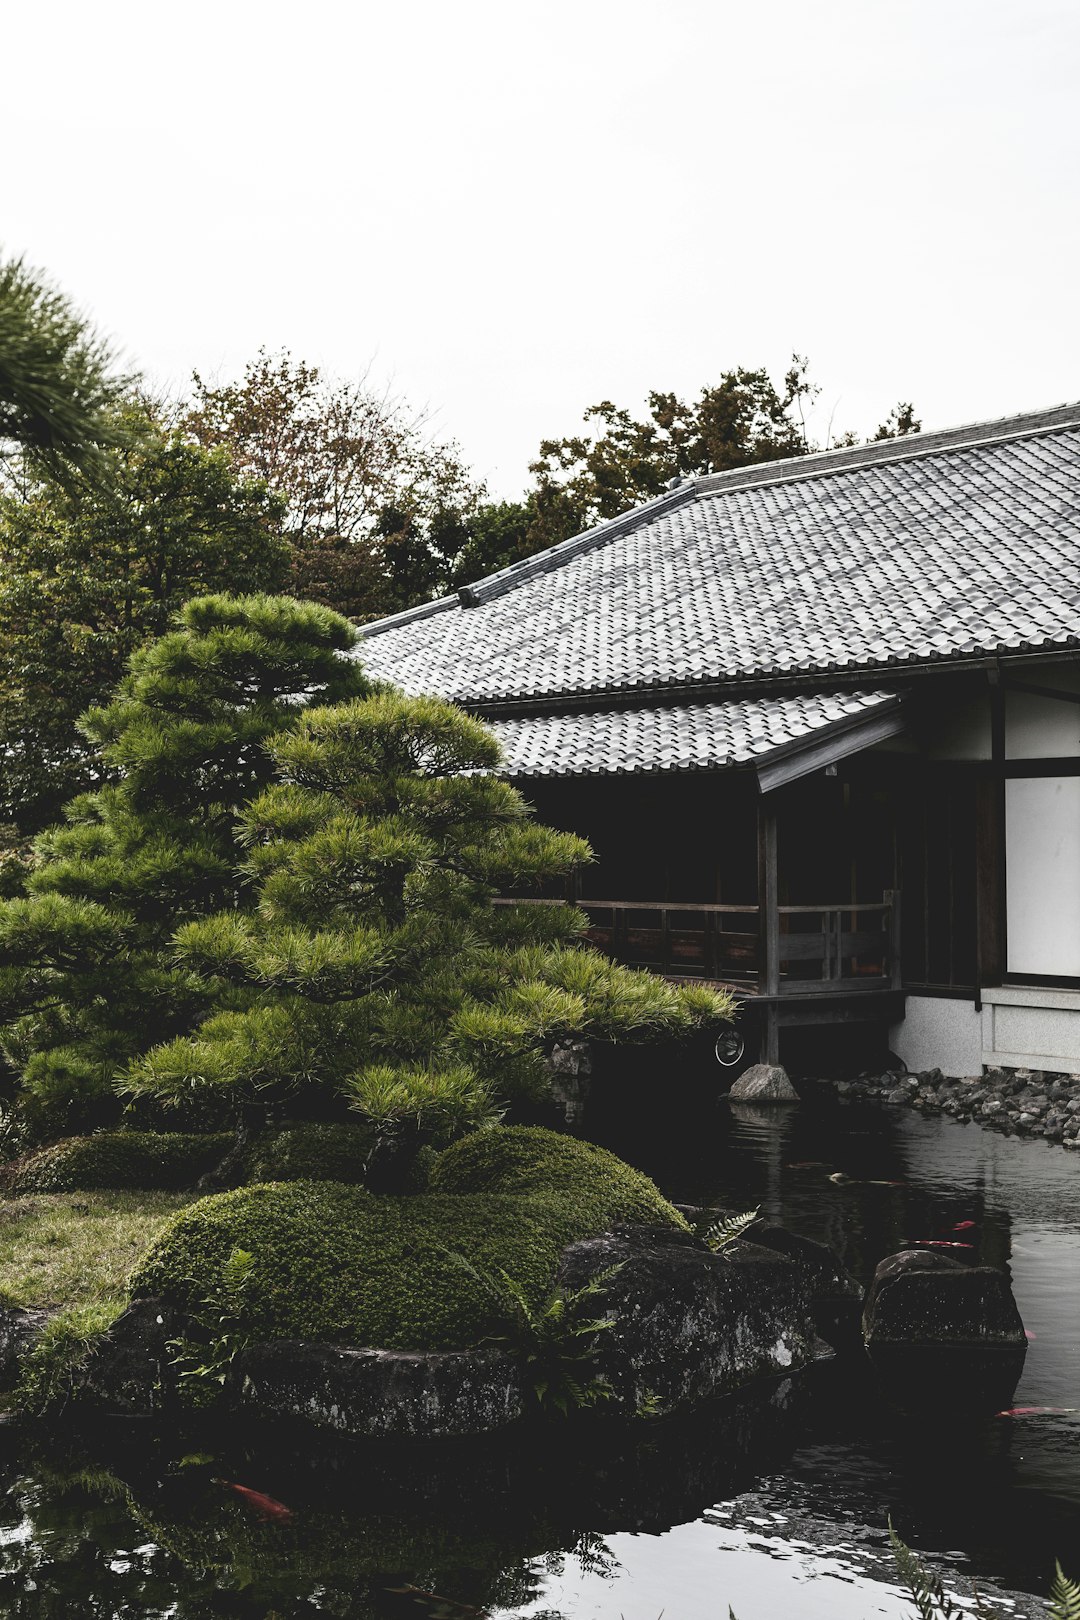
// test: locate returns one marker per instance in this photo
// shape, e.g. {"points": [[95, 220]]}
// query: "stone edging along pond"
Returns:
{"points": [[1022, 1102]]}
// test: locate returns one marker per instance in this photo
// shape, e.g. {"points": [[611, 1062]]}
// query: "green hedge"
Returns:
{"points": [[309, 1152], [528, 1159], [118, 1159], [341, 1264]]}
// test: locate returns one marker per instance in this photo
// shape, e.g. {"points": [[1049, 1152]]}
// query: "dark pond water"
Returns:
{"points": [[775, 1504]]}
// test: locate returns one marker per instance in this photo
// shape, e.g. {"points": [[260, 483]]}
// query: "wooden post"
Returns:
{"points": [[990, 922], [770, 907], [895, 962]]}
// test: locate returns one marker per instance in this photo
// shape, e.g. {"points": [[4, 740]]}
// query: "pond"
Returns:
{"points": [[776, 1504]]}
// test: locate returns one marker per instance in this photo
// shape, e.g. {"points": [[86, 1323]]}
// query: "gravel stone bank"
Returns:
{"points": [[1021, 1102]]}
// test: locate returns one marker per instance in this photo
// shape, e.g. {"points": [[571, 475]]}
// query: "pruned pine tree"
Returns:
{"points": [[386, 977], [87, 976]]}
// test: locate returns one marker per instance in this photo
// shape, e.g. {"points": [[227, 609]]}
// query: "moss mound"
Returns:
{"points": [[528, 1159], [118, 1159], [340, 1264], [310, 1152]]}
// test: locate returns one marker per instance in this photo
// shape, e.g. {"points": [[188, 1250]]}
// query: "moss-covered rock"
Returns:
{"points": [[342, 1265], [117, 1159], [528, 1159], [310, 1152]]}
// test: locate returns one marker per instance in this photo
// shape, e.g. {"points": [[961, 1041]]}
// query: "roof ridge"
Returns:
{"points": [[998, 430], [758, 475], [790, 468]]}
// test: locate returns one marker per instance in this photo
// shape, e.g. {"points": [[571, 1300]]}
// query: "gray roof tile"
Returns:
{"points": [[687, 737], [913, 550]]}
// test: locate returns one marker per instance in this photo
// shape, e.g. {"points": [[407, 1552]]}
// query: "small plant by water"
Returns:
{"points": [[203, 1364], [932, 1602], [556, 1342], [721, 1233]]}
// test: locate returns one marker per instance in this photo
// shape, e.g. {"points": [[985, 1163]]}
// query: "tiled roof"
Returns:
{"points": [[690, 737], [941, 546]]}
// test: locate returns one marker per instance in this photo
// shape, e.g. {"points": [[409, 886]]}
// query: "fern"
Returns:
{"points": [[927, 1593], [1064, 1597], [555, 1343], [728, 1228], [203, 1364]]}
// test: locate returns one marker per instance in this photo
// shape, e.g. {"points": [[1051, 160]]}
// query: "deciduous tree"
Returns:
{"points": [[366, 489], [88, 574]]}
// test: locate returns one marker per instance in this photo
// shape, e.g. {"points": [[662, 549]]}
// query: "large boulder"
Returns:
{"points": [[688, 1324], [764, 1083], [835, 1296], [944, 1333]]}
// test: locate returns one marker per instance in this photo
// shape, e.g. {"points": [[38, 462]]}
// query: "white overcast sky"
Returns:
{"points": [[511, 210]]}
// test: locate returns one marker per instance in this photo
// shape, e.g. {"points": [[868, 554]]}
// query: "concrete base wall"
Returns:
{"points": [[939, 1033], [1032, 1028], [1020, 1027]]}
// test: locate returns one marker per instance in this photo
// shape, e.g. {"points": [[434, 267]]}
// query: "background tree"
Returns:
{"points": [[385, 978], [620, 461], [58, 381], [369, 497], [88, 574], [87, 979]]}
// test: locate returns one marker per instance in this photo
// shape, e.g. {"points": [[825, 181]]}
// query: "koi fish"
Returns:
{"points": [[1029, 1335], [962, 1226], [446, 1608], [806, 1164], [266, 1506], [1033, 1411], [938, 1243]]}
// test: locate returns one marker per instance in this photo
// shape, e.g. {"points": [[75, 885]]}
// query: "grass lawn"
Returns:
{"points": [[78, 1249]]}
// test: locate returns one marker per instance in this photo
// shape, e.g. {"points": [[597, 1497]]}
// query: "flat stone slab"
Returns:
{"points": [[425, 1394], [19, 1331]]}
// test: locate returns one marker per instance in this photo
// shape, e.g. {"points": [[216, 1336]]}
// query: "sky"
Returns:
{"points": [[506, 212]]}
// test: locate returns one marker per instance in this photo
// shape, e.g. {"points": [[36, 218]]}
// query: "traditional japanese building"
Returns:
{"points": [[820, 720]]}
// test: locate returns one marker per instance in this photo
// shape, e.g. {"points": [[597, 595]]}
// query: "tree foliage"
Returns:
{"points": [[87, 978], [370, 498], [379, 971], [58, 381], [620, 460], [89, 574]]}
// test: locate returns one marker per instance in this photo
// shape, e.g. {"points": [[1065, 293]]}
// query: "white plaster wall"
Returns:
{"points": [[939, 1033], [1042, 841]]}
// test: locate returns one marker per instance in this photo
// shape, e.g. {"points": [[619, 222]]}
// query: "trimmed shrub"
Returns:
{"points": [[118, 1159], [529, 1159], [310, 1152], [343, 1265]]}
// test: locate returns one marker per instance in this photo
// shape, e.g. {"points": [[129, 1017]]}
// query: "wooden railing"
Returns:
{"points": [[809, 950]]}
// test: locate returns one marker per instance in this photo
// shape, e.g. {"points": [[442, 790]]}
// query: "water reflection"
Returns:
{"points": [[776, 1503]]}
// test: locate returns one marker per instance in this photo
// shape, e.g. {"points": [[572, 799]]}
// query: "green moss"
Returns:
{"points": [[529, 1159], [310, 1152], [340, 1264], [118, 1159]]}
